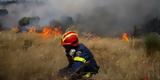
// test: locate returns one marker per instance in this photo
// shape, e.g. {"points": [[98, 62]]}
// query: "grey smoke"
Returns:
{"points": [[112, 17], [108, 17]]}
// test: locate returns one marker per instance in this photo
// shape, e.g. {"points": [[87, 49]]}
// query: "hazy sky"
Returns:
{"points": [[103, 16]]}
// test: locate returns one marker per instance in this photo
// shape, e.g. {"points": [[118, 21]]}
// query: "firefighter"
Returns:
{"points": [[81, 61]]}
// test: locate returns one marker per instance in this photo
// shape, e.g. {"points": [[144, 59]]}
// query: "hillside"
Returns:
{"points": [[29, 56]]}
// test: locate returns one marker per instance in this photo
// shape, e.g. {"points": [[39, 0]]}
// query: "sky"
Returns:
{"points": [[108, 17]]}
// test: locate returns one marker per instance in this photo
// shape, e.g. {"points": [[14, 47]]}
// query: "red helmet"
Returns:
{"points": [[70, 38]]}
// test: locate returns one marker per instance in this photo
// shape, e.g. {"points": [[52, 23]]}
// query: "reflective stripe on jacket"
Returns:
{"points": [[82, 56]]}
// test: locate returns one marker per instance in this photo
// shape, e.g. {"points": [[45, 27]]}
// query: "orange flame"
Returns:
{"points": [[125, 37], [32, 29], [15, 29], [57, 31], [47, 32]]}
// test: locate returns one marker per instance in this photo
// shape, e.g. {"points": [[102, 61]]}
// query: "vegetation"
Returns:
{"points": [[152, 25], [0, 25], [149, 26], [28, 56], [28, 20], [152, 43]]}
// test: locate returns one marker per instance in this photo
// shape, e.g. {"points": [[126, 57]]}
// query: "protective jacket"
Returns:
{"points": [[81, 59]]}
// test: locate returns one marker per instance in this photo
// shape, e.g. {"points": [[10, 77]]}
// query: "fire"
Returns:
{"points": [[47, 32], [57, 31], [32, 29], [15, 29], [125, 37]]}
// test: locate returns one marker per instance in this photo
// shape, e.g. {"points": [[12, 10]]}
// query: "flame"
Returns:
{"points": [[15, 29], [125, 37], [57, 31], [47, 32], [32, 29]]}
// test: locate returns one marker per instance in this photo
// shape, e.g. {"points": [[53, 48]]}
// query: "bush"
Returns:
{"points": [[152, 43], [27, 44]]}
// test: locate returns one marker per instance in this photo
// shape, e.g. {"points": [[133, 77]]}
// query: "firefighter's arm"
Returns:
{"points": [[78, 63], [70, 56], [70, 60]]}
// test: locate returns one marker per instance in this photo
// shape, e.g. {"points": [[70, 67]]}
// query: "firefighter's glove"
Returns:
{"points": [[72, 52]]}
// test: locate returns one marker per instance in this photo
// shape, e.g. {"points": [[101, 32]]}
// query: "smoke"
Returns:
{"points": [[108, 17], [47, 10], [112, 17]]}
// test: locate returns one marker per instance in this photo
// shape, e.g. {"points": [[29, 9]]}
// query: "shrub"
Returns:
{"points": [[152, 43], [27, 44]]}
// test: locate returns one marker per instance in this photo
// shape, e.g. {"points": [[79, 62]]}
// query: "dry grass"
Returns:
{"points": [[27, 56]]}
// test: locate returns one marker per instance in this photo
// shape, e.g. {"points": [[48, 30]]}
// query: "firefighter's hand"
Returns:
{"points": [[75, 76], [72, 52], [64, 72]]}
